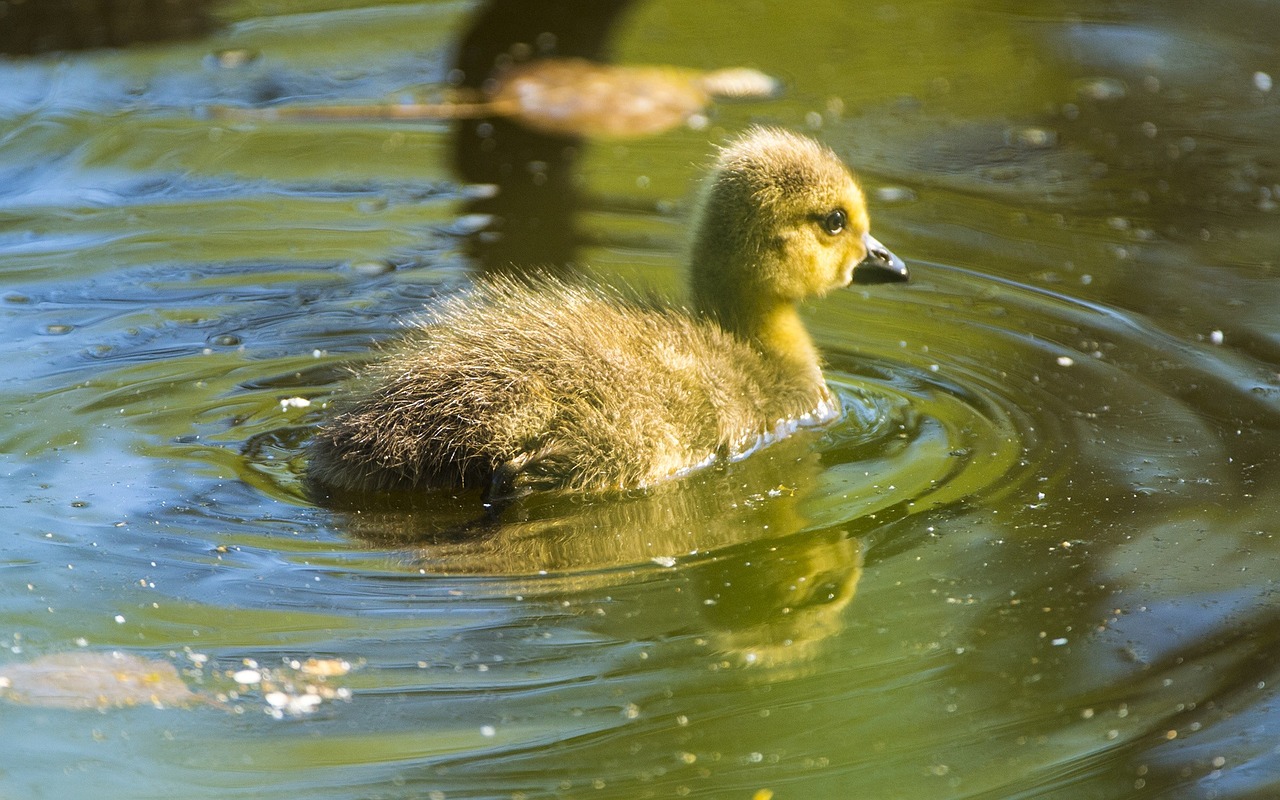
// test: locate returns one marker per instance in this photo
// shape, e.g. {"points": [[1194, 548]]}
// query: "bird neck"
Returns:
{"points": [[720, 279], [773, 325]]}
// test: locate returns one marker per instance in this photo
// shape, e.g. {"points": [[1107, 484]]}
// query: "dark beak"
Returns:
{"points": [[880, 266]]}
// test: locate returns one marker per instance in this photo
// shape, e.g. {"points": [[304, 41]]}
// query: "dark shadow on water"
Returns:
{"points": [[42, 26], [536, 200]]}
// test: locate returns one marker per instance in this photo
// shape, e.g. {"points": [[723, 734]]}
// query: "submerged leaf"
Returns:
{"points": [[568, 96]]}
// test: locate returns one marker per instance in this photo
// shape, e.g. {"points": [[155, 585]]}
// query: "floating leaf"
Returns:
{"points": [[94, 680]]}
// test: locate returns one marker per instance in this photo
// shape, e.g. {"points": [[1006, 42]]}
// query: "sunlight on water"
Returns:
{"points": [[1034, 557]]}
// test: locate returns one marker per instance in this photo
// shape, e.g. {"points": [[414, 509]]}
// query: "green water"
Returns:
{"points": [[1036, 557]]}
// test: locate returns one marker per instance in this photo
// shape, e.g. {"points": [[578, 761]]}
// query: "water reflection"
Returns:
{"points": [[754, 576]]}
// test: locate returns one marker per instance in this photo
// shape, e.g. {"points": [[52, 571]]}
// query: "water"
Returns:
{"points": [[1036, 557]]}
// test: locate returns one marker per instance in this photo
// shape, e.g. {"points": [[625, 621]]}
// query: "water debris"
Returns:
{"points": [[233, 58], [91, 680], [895, 194], [372, 267], [566, 96], [1101, 89], [95, 680], [294, 705], [323, 667], [1032, 137], [294, 689]]}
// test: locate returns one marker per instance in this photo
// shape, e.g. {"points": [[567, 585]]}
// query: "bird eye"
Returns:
{"points": [[835, 222]]}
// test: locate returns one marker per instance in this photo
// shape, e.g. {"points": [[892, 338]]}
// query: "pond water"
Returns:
{"points": [[1036, 557]]}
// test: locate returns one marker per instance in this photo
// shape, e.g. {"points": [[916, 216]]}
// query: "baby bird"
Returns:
{"points": [[527, 384]]}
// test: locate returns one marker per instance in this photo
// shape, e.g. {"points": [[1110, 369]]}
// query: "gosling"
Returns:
{"points": [[517, 385]]}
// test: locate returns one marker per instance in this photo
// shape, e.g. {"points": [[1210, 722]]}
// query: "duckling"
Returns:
{"points": [[541, 383]]}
